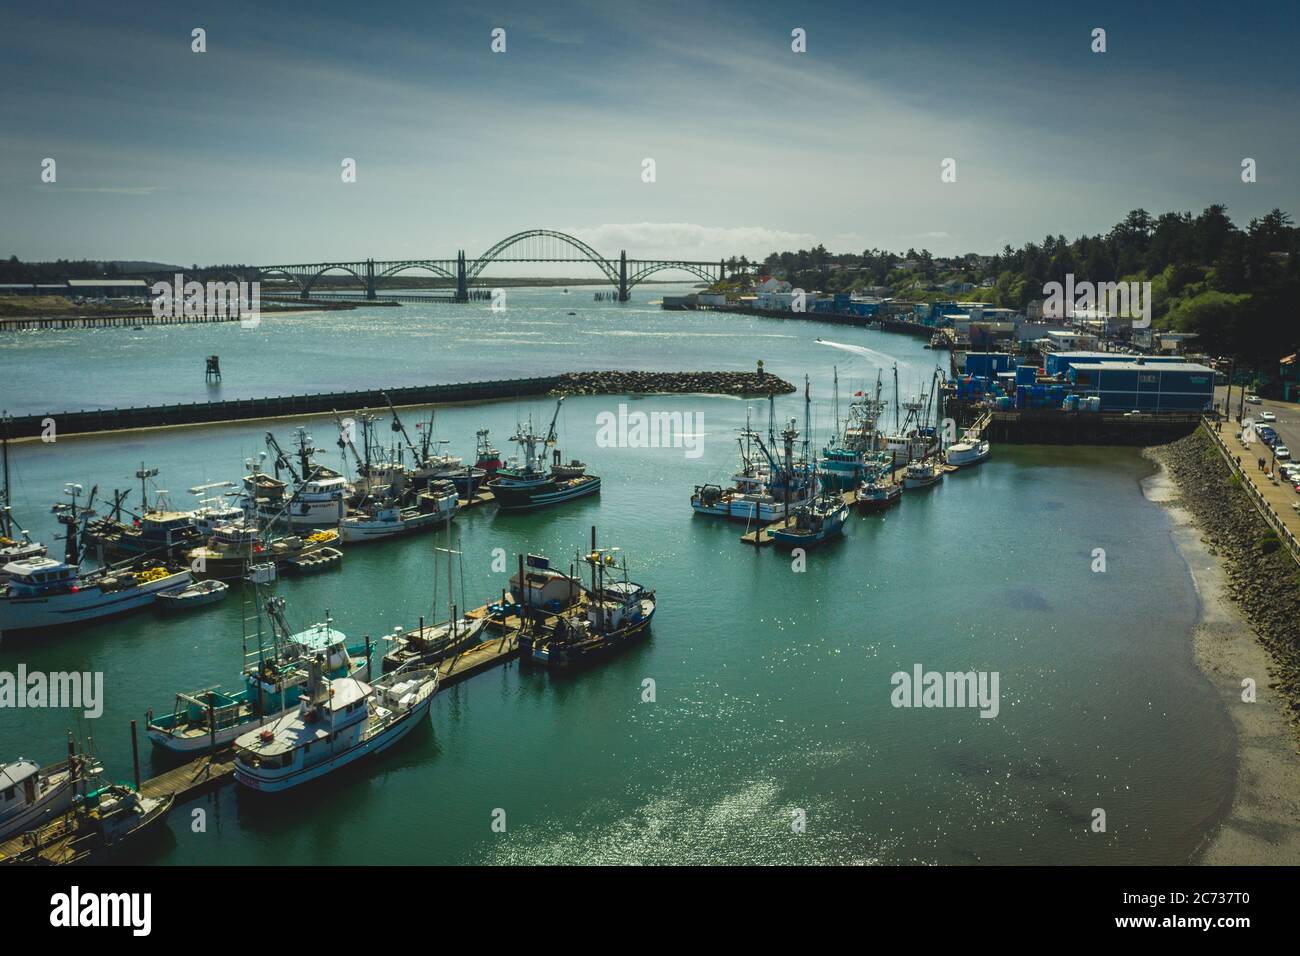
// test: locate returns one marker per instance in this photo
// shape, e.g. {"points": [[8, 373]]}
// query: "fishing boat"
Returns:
{"points": [[486, 457], [971, 450], [435, 505], [618, 613], [234, 548], [923, 473], [15, 543], [274, 678], [30, 795], [158, 530], [97, 826], [336, 723], [315, 498], [429, 645], [769, 483], [381, 475], [813, 522], [525, 483], [853, 451], [44, 593], [198, 594], [879, 492]]}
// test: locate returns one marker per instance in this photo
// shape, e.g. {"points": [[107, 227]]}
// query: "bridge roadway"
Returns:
{"points": [[530, 246]]}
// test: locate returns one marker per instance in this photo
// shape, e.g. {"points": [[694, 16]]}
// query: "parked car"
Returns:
{"points": [[1267, 417], [1253, 400], [1281, 451]]}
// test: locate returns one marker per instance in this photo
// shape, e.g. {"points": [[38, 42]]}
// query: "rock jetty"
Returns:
{"points": [[649, 383], [1262, 576]]}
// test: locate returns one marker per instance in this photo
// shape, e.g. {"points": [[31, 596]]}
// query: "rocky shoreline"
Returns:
{"points": [[647, 383], [1261, 576]]}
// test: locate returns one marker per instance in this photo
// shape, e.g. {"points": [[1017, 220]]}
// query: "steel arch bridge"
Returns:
{"points": [[531, 245]]}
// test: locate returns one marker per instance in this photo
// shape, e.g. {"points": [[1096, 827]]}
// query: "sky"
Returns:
{"points": [[235, 155]]}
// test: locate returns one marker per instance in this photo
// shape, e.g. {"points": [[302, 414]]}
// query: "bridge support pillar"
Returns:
{"points": [[722, 269], [370, 278], [462, 287], [622, 276]]}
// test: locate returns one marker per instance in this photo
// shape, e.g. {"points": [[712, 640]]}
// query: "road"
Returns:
{"points": [[1287, 424]]}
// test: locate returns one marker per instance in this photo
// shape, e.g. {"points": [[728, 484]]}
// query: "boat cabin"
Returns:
{"points": [[167, 526], [32, 576], [544, 588], [18, 787]]}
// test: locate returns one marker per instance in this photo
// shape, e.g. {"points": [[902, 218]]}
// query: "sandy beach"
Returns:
{"points": [[1262, 823]]}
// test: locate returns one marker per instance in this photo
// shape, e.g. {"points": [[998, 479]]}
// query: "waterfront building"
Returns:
{"points": [[1146, 386]]}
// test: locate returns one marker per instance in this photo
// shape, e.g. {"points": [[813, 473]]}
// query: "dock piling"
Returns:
{"points": [[135, 756]]}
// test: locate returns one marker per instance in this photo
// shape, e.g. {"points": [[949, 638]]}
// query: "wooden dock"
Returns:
{"points": [[481, 497]]}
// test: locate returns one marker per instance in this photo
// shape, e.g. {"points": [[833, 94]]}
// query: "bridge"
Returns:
{"points": [[533, 245]]}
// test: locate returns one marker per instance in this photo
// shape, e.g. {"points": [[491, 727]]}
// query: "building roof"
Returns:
{"points": [[1142, 367]]}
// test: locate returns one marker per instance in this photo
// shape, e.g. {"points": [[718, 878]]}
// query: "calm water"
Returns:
{"points": [[773, 687]]}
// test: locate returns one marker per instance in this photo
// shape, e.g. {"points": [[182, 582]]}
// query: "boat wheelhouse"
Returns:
{"points": [[30, 795]]}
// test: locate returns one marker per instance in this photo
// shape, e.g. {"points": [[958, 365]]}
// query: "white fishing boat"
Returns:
{"points": [[315, 498], [198, 594], [434, 506], [337, 722], [44, 593], [30, 795], [971, 450], [923, 473]]}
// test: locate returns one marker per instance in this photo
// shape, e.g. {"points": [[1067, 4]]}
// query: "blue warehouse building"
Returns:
{"points": [[1059, 363], [1146, 386]]}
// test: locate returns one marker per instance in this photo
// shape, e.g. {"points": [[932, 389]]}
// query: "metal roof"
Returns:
{"points": [[1142, 367]]}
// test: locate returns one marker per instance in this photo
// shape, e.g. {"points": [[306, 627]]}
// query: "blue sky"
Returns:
{"points": [[234, 155]]}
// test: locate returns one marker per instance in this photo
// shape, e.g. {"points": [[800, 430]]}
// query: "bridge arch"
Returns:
{"points": [[542, 245], [332, 267], [275, 270], [428, 266], [650, 268]]}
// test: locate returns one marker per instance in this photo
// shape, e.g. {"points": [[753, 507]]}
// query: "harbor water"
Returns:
{"points": [[770, 735]]}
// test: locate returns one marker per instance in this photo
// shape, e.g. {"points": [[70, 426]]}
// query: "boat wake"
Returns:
{"points": [[879, 357]]}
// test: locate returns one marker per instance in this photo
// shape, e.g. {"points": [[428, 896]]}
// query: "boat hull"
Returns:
{"points": [[358, 530], [511, 497], [562, 657], [22, 615], [872, 504]]}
